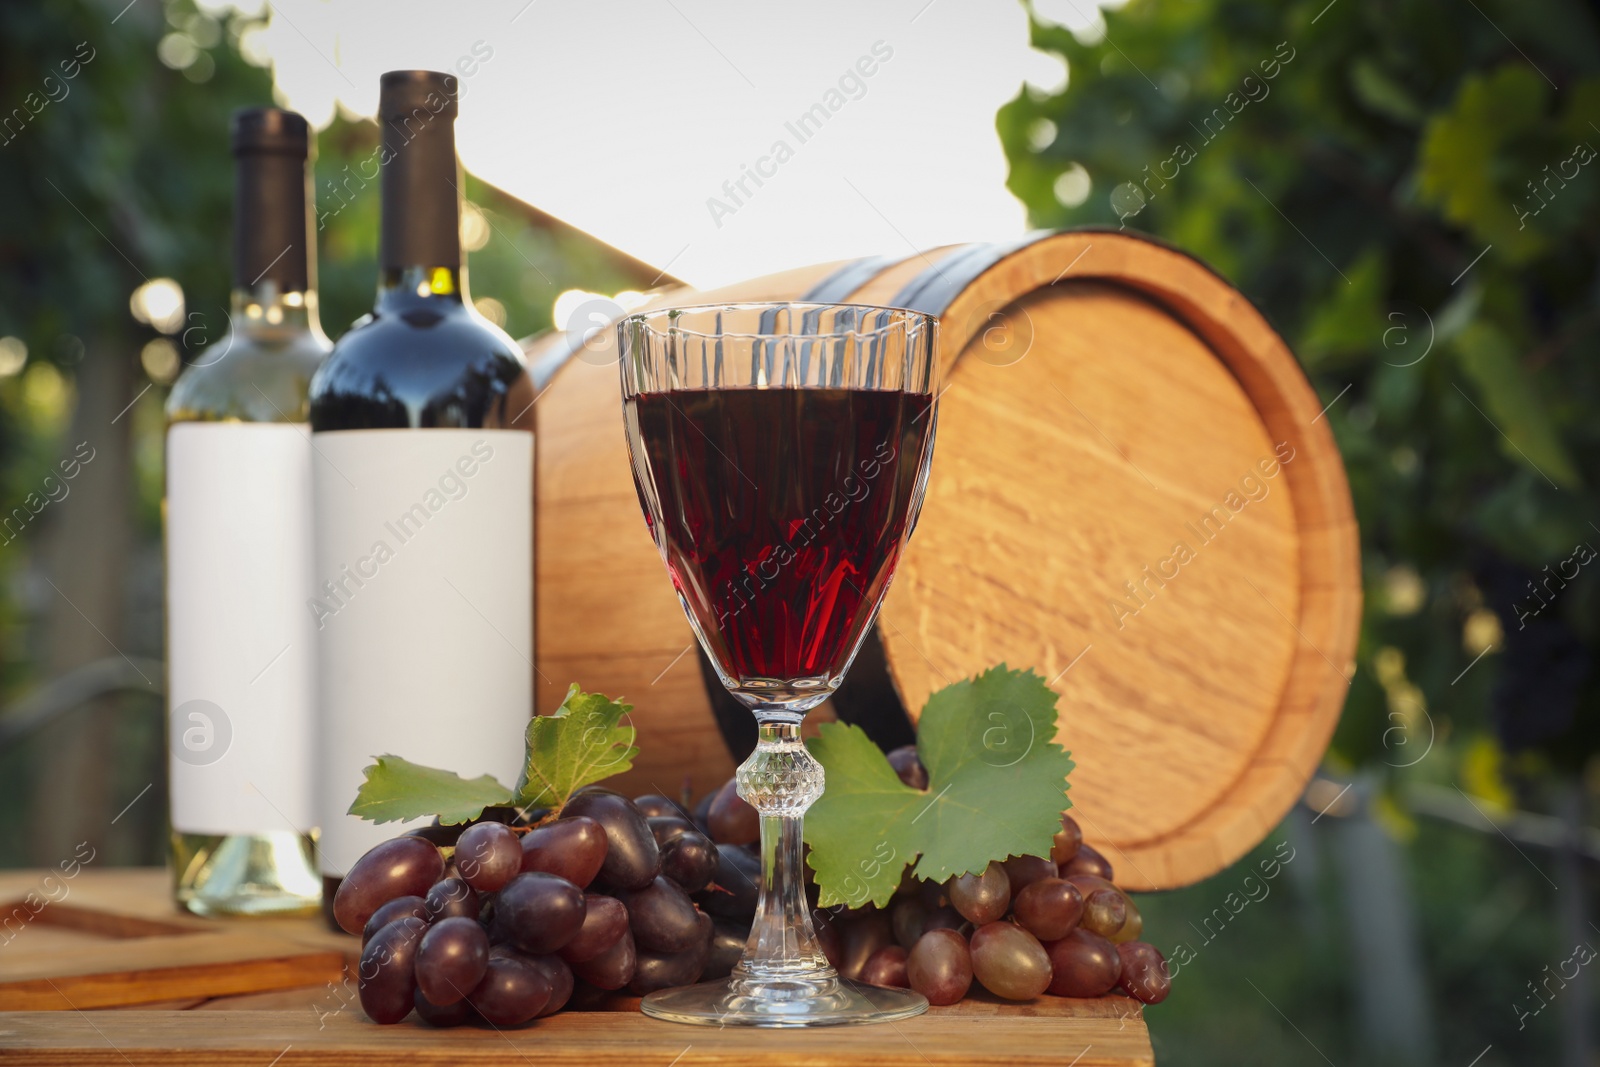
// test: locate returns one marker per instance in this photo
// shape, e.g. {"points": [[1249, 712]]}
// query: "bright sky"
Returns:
{"points": [[635, 120]]}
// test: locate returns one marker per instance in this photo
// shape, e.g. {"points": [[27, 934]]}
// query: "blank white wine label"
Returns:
{"points": [[241, 648], [423, 611]]}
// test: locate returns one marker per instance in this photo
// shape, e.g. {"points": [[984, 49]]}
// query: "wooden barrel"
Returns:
{"points": [[1133, 492]]}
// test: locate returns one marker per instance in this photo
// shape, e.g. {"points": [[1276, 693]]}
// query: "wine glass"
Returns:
{"points": [[780, 452]]}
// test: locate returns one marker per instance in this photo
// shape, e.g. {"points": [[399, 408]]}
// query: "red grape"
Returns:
{"points": [[573, 848], [731, 819], [559, 975], [1144, 972], [451, 959], [654, 804], [455, 1014], [613, 968], [1084, 964], [488, 855], [1009, 961], [632, 858], [860, 936], [908, 915], [689, 860], [1104, 912], [1067, 841], [1023, 871], [663, 918], [387, 971], [1049, 909], [908, 765], [665, 827], [727, 948], [1131, 929], [1087, 861], [538, 912], [400, 867], [1088, 883], [398, 908], [735, 887], [451, 898], [605, 920], [981, 898], [945, 918], [940, 966], [663, 970], [887, 967], [511, 992]]}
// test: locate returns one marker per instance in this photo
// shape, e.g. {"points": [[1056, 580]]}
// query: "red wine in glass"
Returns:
{"points": [[780, 452], [782, 513]]}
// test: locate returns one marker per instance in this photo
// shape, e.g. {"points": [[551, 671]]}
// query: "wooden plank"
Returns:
{"points": [[139, 972], [108, 938], [254, 1038], [145, 893]]}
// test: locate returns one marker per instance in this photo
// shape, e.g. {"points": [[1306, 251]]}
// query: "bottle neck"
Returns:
{"points": [[405, 287], [273, 243], [263, 310], [420, 223]]}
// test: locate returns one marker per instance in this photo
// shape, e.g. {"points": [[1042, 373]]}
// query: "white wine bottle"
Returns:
{"points": [[241, 647], [423, 471]]}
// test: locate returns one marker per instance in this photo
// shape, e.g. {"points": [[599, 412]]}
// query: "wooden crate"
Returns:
{"points": [[280, 992]]}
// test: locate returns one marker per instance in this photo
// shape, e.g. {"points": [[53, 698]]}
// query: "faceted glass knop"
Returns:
{"points": [[780, 777]]}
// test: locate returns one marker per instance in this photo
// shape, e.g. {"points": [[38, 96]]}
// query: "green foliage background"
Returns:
{"points": [[1409, 190]]}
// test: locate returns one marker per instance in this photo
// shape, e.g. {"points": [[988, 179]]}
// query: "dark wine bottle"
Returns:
{"points": [[240, 649], [422, 425]]}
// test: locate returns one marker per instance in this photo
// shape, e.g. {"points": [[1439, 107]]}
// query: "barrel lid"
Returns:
{"points": [[1134, 493]]}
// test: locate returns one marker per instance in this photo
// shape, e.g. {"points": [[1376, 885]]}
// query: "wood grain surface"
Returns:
{"points": [[300, 1039], [245, 1015], [1127, 403], [112, 938]]}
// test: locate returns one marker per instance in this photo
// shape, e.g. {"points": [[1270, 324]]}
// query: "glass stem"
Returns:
{"points": [[781, 780]]}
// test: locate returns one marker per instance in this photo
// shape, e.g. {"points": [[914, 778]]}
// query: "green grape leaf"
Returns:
{"points": [[997, 785], [864, 829], [397, 790], [579, 743]]}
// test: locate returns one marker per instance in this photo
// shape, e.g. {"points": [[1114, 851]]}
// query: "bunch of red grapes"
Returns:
{"points": [[1028, 926], [528, 916], [517, 915]]}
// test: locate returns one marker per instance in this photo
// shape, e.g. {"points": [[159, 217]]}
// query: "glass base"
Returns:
{"points": [[817, 1002], [268, 874]]}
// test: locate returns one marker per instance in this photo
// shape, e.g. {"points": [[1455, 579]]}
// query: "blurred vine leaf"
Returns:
{"points": [[1464, 152], [1518, 413]]}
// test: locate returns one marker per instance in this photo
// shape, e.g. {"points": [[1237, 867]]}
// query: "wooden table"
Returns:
{"points": [[108, 973]]}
